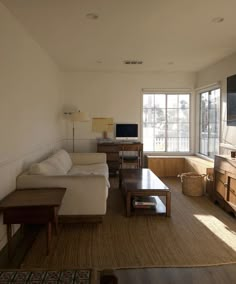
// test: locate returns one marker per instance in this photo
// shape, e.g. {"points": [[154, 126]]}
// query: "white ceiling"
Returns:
{"points": [[167, 35]]}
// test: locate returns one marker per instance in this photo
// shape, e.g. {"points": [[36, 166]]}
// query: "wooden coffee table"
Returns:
{"points": [[143, 182]]}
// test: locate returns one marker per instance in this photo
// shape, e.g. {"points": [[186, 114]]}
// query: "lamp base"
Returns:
{"points": [[105, 136]]}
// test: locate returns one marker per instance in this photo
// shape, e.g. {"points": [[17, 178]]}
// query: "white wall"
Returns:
{"points": [[116, 95], [218, 73], [30, 104]]}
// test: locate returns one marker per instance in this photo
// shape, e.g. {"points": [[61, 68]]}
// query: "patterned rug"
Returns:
{"points": [[37, 277]]}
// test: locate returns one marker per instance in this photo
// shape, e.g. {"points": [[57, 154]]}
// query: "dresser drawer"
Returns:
{"points": [[107, 148]]}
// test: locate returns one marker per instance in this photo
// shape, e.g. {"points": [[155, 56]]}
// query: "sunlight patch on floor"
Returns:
{"points": [[223, 232]]}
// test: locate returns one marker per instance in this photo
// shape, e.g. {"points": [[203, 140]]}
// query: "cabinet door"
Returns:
{"points": [[166, 167], [220, 186], [231, 193]]}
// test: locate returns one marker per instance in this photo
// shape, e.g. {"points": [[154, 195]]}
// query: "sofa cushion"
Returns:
{"points": [[95, 169], [64, 160]]}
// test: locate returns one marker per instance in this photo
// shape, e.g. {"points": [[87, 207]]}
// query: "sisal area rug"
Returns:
{"points": [[198, 233]]}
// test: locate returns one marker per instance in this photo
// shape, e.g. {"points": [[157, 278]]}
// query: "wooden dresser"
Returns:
{"points": [[225, 182], [114, 150]]}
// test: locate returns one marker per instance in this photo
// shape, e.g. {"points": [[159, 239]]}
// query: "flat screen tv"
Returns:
{"points": [[126, 131], [231, 100]]}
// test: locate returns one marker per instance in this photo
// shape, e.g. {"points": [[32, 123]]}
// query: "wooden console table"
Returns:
{"points": [[32, 206], [113, 151]]}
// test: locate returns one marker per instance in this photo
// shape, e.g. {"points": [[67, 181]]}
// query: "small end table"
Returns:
{"points": [[32, 206]]}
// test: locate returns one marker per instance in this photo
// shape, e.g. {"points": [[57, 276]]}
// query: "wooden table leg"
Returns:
{"points": [[168, 204], [49, 235], [9, 234], [56, 220], [128, 204]]}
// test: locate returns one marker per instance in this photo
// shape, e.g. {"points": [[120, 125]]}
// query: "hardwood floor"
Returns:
{"points": [[222, 274]]}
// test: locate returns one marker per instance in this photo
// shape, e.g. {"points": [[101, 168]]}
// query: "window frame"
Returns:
{"points": [[200, 92], [190, 118]]}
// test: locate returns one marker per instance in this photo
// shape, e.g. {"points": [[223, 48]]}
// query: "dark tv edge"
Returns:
{"points": [[231, 100]]}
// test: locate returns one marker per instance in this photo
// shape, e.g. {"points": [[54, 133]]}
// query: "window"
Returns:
{"points": [[166, 125], [209, 123]]}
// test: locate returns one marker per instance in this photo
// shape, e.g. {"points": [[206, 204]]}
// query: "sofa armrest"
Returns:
{"points": [[88, 158]]}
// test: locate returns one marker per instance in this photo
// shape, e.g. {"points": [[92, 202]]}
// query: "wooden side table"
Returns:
{"points": [[32, 206]]}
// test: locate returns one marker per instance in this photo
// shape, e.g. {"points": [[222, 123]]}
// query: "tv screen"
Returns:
{"points": [[126, 131], [231, 100]]}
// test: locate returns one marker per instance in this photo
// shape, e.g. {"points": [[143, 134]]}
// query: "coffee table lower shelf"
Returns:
{"points": [[158, 209]]}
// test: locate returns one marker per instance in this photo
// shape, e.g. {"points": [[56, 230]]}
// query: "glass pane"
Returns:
{"points": [[148, 131], [159, 144], [184, 130], [160, 115], [212, 117], [172, 101], [148, 137], [172, 126], [148, 144], [183, 115], [160, 101], [204, 113], [172, 130], [184, 101], [212, 146], [148, 115], [204, 146], [184, 144], [172, 144], [148, 100], [172, 115], [160, 132]]}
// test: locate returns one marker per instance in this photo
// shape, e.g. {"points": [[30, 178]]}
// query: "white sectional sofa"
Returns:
{"points": [[85, 177]]}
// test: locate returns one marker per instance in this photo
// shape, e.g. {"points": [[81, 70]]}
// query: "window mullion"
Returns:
{"points": [[166, 126], [208, 122]]}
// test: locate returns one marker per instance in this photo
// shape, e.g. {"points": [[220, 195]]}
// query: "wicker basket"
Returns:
{"points": [[192, 184]]}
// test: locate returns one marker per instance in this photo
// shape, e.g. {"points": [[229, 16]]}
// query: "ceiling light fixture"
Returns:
{"points": [[92, 16]]}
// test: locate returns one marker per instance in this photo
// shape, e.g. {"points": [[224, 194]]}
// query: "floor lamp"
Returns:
{"points": [[80, 117]]}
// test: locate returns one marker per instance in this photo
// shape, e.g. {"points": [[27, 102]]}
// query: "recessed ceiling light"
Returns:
{"points": [[217, 20], [92, 16]]}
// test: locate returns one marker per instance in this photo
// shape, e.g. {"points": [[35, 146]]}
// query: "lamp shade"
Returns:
{"points": [[79, 116]]}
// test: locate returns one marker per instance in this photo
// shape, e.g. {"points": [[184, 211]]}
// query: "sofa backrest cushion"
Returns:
{"points": [[47, 168], [87, 158], [58, 164]]}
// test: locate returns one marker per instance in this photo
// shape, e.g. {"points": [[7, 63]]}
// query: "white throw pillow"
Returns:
{"points": [[64, 160]]}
